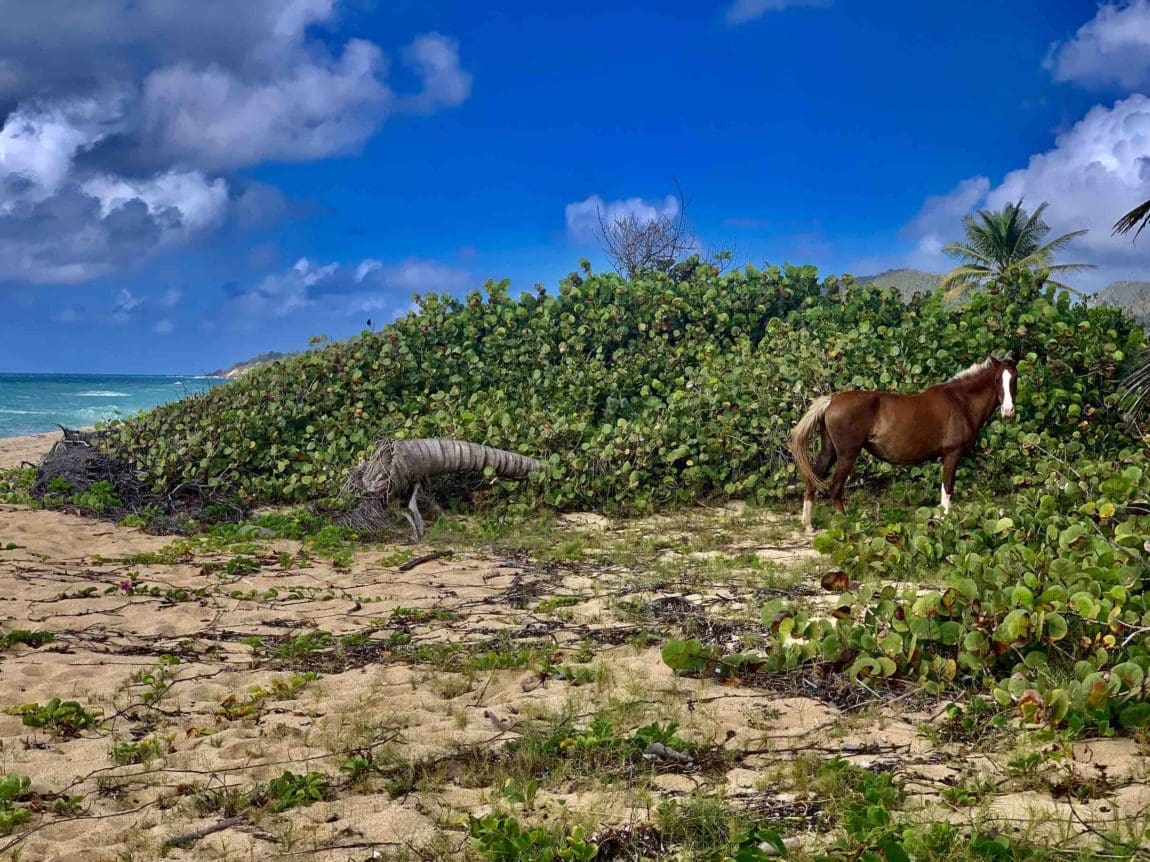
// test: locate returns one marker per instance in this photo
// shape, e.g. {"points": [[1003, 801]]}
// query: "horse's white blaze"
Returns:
{"points": [[945, 502], [807, 506], [1007, 398]]}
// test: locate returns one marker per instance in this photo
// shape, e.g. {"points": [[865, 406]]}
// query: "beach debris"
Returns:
{"points": [[659, 751], [80, 474], [399, 468], [426, 558]]}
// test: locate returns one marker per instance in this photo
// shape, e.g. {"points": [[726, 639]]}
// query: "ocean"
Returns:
{"points": [[34, 403]]}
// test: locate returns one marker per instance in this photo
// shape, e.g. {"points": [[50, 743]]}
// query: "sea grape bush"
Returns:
{"points": [[638, 393], [1038, 599]]}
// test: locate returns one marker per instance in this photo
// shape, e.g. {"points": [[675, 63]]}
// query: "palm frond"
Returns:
{"points": [[1071, 267], [966, 252], [1138, 217], [1058, 242]]}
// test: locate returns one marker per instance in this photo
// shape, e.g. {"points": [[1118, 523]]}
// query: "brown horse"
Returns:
{"points": [[941, 422]]}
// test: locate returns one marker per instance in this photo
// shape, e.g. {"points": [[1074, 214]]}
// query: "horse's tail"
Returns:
{"points": [[801, 438]]}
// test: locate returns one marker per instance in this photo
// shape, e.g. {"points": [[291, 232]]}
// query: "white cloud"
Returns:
{"points": [[435, 59], [1095, 171], [742, 11], [104, 162], [183, 203], [39, 145], [1113, 47], [214, 119], [583, 216]]}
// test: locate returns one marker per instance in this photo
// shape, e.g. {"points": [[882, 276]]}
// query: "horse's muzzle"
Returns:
{"points": [[1007, 412]]}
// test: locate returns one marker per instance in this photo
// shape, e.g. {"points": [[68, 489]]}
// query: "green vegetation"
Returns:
{"points": [[640, 394], [500, 838], [34, 639], [62, 719], [12, 789], [292, 790], [15, 485]]}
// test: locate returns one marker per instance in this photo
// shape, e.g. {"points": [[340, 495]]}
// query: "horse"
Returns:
{"points": [[940, 422]]}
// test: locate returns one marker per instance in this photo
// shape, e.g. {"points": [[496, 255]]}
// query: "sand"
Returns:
{"points": [[240, 707], [16, 450]]}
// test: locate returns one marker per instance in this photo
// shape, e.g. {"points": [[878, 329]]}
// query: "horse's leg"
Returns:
{"points": [[843, 467], [949, 466], [822, 466]]}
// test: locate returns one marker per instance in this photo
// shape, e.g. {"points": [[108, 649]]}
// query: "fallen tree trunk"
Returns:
{"points": [[400, 467]]}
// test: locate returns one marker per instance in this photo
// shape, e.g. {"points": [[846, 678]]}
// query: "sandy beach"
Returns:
{"points": [[16, 450], [208, 671]]}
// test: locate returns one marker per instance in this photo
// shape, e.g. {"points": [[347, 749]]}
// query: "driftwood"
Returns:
{"points": [[426, 558], [398, 468], [191, 837]]}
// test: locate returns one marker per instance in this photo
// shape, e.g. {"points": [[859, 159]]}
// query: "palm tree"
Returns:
{"points": [[1138, 217], [1135, 388], [1002, 244]]}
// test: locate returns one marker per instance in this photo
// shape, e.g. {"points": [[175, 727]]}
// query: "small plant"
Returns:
{"points": [[306, 645], [233, 708], [34, 639], [15, 485], [239, 566], [417, 616], [63, 719], [100, 496], [158, 681], [292, 790], [358, 766], [520, 792], [713, 831], [694, 657], [12, 789], [500, 838], [126, 753]]}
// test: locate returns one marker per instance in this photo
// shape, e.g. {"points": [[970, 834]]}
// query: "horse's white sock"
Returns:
{"points": [[807, 506], [945, 502]]}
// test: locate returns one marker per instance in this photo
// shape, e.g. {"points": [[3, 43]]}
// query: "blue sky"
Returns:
{"points": [[218, 180]]}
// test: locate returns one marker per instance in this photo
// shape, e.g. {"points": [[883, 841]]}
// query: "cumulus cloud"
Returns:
{"points": [[1095, 171], [1113, 47], [583, 216], [435, 60], [342, 289], [742, 11], [215, 119], [132, 150], [58, 224]]}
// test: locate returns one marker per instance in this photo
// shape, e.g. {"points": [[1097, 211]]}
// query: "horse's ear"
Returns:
{"points": [[1009, 357]]}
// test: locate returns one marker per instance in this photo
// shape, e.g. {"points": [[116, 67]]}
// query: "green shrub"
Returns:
{"points": [[640, 394]]}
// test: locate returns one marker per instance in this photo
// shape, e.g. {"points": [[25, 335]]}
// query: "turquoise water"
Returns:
{"points": [[34, 403]]}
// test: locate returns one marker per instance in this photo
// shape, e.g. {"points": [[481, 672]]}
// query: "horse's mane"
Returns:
{"points": [[972, 371]]}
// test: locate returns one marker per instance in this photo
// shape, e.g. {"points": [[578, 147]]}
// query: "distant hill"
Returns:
{"points": [[1133, 296], [242, 368], [907, 282]]}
